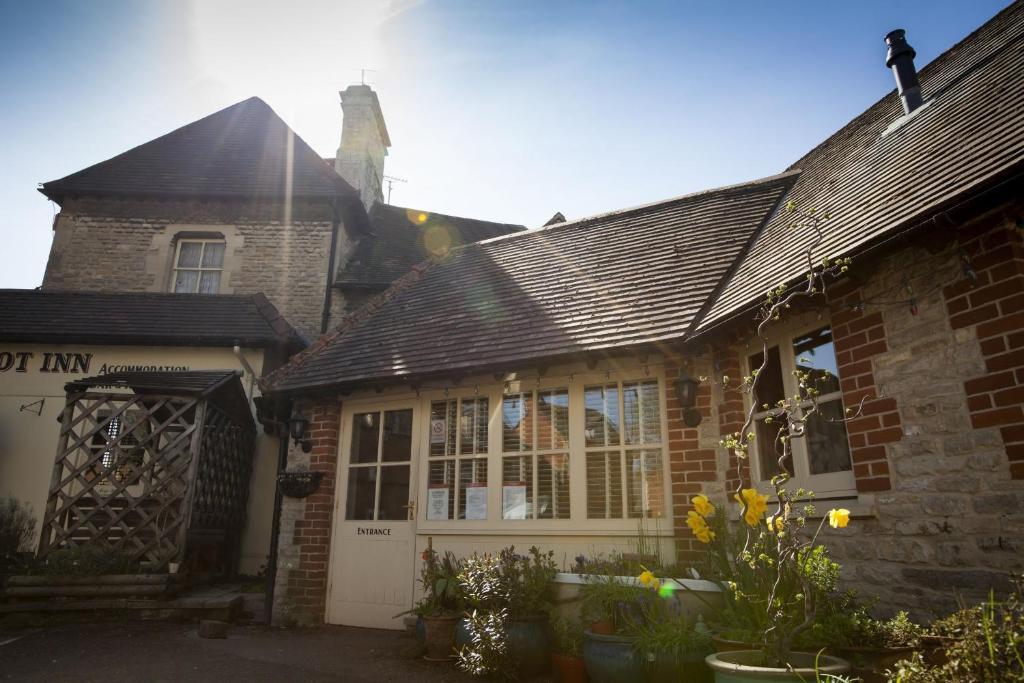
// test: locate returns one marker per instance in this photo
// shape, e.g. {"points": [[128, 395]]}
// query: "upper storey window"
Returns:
{"points": [[197, 266]]}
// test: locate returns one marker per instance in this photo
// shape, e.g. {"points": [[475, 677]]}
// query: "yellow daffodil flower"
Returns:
{"points": [[703, 506], [699, 526], [705, 535], [838, 518], [776, 523], [756, 505], [649, 580]]}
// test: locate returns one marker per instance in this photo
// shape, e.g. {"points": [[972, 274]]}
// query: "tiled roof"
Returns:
{"points": [[145, 319], [873, 183], [636, 276], [240, 151], [402, 237]]}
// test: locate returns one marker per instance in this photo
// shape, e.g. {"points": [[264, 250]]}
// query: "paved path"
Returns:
{"points": [[152, 651]]}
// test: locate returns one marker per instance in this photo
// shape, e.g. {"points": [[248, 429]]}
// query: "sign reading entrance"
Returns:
{"points": [[362, 531]]}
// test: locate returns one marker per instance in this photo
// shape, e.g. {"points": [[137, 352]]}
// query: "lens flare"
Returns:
{"points": [[437, 240]]}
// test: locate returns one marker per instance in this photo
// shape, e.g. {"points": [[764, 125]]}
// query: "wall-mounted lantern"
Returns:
{"points": [[686, 392], [297, 429]]}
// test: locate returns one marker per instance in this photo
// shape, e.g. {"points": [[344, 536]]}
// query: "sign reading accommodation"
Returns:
{"points": [[71, 363]]}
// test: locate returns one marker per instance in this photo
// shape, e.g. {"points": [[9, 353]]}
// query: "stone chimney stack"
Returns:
{"points": [[364, 143]]}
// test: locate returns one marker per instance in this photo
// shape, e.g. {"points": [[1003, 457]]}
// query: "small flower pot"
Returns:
{"points": [[747, 666], [605, 627], [568, 669], [439, 637]]}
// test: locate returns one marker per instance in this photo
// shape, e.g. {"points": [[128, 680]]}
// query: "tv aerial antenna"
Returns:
{"points": [[391, 180]]}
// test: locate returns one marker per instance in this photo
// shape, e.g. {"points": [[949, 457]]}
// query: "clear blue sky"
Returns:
{"points": [[508, 111]]}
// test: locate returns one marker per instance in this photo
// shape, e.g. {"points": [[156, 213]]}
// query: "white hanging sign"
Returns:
{"points": [[476, 501], [437, 431], [437, 503], [513, 501]]}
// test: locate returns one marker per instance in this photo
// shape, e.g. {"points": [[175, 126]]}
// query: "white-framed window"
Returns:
{"points": [[820, 460], [535, 455], [457, 460], [198, 264], [624, 450]]}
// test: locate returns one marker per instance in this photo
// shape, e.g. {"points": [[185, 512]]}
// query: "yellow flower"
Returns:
{"points": [[705, 535], [699, 527], [756, 505], [703, 506], [649, 580], [776, 523], [838, 518]]}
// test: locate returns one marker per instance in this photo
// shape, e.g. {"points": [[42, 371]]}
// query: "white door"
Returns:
{"points": [[372, 560]]}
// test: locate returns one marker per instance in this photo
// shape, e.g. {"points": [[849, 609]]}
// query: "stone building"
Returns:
{"points": [[521, 390]]}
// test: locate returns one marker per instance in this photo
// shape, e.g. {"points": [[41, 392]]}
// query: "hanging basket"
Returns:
{"points": [[299, 484]]}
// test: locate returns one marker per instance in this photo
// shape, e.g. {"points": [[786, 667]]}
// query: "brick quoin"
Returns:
{"points": [[307, 582], [994, 306], [859, 336]]}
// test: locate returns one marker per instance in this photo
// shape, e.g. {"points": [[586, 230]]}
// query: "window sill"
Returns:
{"points": [[561, 529]]}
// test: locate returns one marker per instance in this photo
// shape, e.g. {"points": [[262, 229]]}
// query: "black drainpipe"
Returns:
{"points": [[275, 525], [335, 226]]}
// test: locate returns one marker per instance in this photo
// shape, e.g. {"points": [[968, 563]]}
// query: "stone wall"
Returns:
{"points": [[939, 506], [127, 245]]}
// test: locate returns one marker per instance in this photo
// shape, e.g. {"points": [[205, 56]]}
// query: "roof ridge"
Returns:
{"points": [[350, 321], [767, 180], [446, 215]]}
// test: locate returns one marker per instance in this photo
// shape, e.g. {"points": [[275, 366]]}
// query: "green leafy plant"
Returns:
{"points": [[16, 527], [441, 589], [83, 561], [529, 580], [983, 644], [610, 598], [486, 591], [567, 636]]}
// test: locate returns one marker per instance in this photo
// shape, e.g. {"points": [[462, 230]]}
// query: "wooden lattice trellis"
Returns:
{"points": [[149, 473]]}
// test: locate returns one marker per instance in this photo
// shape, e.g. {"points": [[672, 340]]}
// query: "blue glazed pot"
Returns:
{"points": [[420, 630], [666, 667], [612, 659], [528, 646]]}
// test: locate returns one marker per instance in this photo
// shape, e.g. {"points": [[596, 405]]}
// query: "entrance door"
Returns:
{"points": [[372, 556]]}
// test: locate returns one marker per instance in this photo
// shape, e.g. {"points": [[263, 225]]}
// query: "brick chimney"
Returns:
{"points": [[364, 143]]}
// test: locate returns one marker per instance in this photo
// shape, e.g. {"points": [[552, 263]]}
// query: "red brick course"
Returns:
{"points": [[994, 306]]}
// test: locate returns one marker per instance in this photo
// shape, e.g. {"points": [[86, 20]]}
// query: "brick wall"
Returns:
{"points": [[939, 511], [300, 593], [127, 245]]}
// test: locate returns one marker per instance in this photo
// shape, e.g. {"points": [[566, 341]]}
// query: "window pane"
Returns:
{"points": [[186, 281], [441, 475], [641, 413], [601, 405], [189, 253], [517, 487], [517, 419], [644, 492], [365, 435], [820, 353], [473, 426], [553, 486], [397, 445], [209, 283], [213, 255], [767, 451], [553, 419], [442, 428], [770, 389], [473, 476], [362, 485], [394, 492], [827, 447], [604, 486]]}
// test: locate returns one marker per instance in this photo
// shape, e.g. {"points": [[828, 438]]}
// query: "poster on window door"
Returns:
{"points": [[513, 501], [476, 501], [437, 503]]}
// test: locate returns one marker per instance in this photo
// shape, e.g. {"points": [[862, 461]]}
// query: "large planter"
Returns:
{"points": [[612, 659], [568, 669], [695, 596], [745, 666], [870, 663], [528, 645], [665, 667], [439, 637]]}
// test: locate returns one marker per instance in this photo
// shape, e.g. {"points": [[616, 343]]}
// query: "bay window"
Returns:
{"points": [[535, 455], [820, 460]]}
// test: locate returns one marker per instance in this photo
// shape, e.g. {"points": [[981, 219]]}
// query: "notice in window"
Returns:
{"points": [[437, 431], [513, 501], [437, 503], [476, 501]]}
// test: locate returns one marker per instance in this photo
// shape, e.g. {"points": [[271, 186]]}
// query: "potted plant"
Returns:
{"points": [[441, 604], [567, 651], [485, 589], [529, 578], [672, 648], [608, 600]]}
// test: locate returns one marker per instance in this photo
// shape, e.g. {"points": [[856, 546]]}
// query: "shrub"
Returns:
{"points": [[16, 527], [84, 561], [440, 580], [567, 636], [487, 593]]}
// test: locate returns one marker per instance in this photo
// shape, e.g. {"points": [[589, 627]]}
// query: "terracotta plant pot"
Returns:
{"points": [[568, 669], [439, 637], [746, 666], [605, 627]]}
